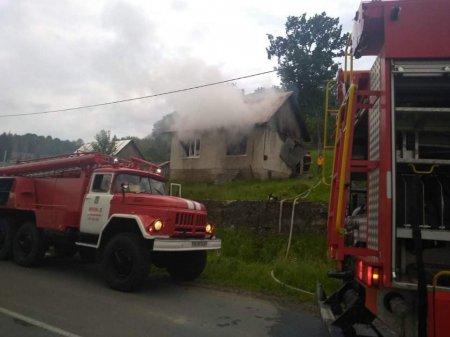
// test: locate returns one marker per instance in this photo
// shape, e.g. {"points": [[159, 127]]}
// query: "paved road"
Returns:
{"points": [[66, 298]]}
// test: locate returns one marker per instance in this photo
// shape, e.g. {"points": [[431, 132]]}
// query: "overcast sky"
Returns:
{"points": [[67, 53]]}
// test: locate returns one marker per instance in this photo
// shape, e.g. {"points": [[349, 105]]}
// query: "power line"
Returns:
{"points": [[137, 98]]}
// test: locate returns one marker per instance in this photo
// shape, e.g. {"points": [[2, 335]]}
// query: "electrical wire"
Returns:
{"points": [[137, 98]]}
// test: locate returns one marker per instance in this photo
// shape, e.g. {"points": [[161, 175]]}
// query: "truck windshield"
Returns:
{"points": [[138, 184]]}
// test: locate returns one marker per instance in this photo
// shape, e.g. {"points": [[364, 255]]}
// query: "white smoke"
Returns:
{"points": [[211, 107]]}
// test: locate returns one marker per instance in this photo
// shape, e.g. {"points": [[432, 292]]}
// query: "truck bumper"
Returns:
{"points": [[171, 245], [345, 315]]}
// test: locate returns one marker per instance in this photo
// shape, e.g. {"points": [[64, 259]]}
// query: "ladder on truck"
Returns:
{"points": [[71, 165], [344, 311], [63, 165]]}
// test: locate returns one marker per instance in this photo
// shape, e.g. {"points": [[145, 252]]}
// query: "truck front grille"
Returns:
{"points": [[190, 224]]}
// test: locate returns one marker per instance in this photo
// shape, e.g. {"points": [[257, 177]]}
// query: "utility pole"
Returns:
{"points": [[4, 158]]}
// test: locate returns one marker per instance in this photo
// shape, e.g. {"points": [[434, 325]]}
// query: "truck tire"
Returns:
{"points": [[28, 245], [126, 262], [6, 238], [187, 266]]}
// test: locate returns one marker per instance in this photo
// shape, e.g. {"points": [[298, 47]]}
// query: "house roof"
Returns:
{"points": [[86, 147], [263, 107], [119, 146], [260, 107]]}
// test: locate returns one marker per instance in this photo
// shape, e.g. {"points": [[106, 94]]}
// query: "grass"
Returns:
{"points": [[247, 259], [259, 190]]}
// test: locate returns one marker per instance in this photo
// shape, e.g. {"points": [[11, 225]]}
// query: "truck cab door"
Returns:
{"points": [[97, 204]]}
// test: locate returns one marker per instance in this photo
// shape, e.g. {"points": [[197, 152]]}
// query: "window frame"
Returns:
{"points": [[191, 147], [99, 186]]}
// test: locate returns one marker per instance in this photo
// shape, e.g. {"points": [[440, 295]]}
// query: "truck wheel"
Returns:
{"points": [[126, 262], [28, 245], [187, 266], [6, 238]]}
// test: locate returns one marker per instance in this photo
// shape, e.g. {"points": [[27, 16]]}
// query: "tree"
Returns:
{"points": [[156, 147], [103, 142], [306, 59], [164, 124], [29, 146]]}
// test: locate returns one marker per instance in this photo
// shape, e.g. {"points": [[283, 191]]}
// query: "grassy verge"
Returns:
{"points": [[247, 259], [256, 190], [251, 189]]}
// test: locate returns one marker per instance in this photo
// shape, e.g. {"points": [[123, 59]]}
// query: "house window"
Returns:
{"points": [[236, 146], [191, 147]]}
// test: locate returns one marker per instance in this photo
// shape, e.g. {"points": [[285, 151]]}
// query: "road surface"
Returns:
{"points": [[66, 298]]}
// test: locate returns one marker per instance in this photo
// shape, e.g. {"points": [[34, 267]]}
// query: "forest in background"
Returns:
{"points": [[15, 147], [154, 147], [30, 146]]}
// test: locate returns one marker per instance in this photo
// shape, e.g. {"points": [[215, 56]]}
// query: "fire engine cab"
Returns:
{"points": [[109, 210], [389, 211]]}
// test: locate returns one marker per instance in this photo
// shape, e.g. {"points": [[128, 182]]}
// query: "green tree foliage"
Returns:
{"points": [[306, 60], [30, 146], [104, 143], [156, 147]]}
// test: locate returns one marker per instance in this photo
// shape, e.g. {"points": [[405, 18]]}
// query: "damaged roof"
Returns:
{"points": [[263, 107]]}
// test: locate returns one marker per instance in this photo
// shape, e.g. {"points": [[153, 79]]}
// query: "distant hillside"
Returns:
{"points": [[30, 146]]}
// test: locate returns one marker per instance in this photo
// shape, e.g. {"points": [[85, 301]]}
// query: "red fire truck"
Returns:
{"points": [[109, 210], [389, 211]]}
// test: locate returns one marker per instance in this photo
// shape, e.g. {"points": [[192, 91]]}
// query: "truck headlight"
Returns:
{"points": [[157, 225], [209, 229]]}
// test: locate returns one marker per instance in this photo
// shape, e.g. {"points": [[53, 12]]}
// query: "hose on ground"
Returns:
{"points": [[302, 195], [289, 286]]}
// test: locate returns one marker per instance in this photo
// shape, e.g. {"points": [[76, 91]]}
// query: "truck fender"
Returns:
{"points": [[141, 223]]}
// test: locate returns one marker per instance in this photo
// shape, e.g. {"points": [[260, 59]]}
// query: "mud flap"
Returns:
{"points": [[439, 302]]}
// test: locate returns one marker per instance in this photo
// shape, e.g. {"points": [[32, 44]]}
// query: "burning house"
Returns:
{"points": [[263, 139]]}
